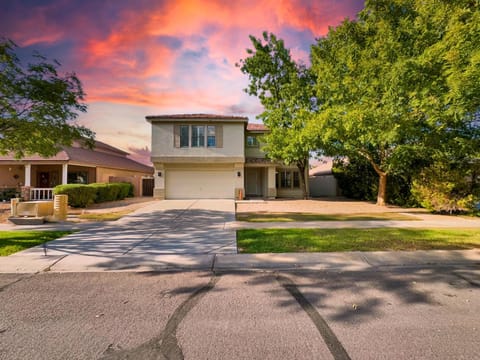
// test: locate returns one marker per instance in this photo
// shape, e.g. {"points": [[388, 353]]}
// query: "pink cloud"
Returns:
{"points": [[164, 56]]}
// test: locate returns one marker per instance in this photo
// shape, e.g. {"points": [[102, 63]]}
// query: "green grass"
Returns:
{"points": [[288, 217], [14, 241], [378, 239], [112, 216]]}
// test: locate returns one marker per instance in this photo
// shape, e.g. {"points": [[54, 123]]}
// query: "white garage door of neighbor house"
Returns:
{"points": [[187, 184]]}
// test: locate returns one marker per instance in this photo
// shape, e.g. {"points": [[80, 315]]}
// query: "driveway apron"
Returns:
{"points": [[180, 227]]}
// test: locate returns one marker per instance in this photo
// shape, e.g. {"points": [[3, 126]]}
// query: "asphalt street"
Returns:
{"points": [[383, 313]]}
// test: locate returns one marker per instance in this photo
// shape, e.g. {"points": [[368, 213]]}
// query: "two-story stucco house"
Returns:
{"points": [[215, 156]]}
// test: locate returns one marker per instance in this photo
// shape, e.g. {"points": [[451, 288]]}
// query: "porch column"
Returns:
{"points": [[64, 173], [159, 185], [28, 175], [238, 173], [271, 188]]}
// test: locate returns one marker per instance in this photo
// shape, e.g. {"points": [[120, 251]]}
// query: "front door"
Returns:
{"points": [[254, 182], [43, 179]]}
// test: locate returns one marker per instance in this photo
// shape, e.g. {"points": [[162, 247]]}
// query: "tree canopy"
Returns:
{"points": [[400, 85], [38, 105], [285, 89]]}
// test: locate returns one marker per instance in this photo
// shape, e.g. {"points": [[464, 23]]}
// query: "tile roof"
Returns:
{"points": [[111, 158], [256, 127], [196, 117], [103, 159], [322, 168]]}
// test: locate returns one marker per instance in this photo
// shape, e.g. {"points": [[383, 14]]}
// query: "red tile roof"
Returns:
{"points": [[256, 127], [196, 117]]}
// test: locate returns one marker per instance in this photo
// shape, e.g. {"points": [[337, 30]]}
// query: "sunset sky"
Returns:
{"points": [[148, 57]]}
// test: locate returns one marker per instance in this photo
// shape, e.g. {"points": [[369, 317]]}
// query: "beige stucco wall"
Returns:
{"points": [[254, 151], [163, 143], [7, 173], [103, 176]]}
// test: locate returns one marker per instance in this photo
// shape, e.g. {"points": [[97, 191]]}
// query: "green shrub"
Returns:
{"points": [[83, 195], [126, 190], [79, 195], [8, 193], [111, 191], [446, 189]]}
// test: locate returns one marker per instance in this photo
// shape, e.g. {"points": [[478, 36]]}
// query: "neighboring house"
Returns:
{"points": [[321, 180], [36, 175], [215, 156]]}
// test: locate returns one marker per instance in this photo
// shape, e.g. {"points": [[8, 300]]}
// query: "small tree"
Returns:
{"points": [[285, 89], [38, 105]]}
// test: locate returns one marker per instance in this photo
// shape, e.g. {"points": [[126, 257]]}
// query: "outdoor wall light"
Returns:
{"points": [[159, 174], [239, 174]]}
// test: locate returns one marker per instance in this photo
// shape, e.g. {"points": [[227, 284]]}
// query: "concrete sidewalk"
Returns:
{"points": [[200, 235], [344, 261]]}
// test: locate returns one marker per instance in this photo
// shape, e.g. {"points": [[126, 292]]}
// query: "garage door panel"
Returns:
{"points": [[188, 184]]}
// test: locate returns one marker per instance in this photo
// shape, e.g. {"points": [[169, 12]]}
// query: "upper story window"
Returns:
{"points": [[198, 136], [211, 136], [252, 141], [186, 136]]}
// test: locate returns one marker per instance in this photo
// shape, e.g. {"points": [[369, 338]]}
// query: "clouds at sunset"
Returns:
{"points": [[167, 56]]}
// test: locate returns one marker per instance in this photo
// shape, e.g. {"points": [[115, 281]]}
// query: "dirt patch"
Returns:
{"points": [[4, 212], [129, 204], [319, 206], [113, 206]]}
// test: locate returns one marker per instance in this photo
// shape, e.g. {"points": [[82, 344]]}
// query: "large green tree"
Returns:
{"points": [[38, 105], [400, 85], [285, 89]]}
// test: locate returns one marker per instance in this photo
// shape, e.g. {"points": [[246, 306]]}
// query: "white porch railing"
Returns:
{"points": [[41, 193]]}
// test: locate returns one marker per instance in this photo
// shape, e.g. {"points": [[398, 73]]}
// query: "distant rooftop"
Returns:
{"points": [[196, 117], [256, 127], [101, 155]]}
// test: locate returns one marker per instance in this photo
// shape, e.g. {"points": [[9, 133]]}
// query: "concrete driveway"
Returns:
{"points": [[178, 233]]}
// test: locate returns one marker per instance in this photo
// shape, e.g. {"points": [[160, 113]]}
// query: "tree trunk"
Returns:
{"points": [[382, 181], [301, 165], [382, 189]]}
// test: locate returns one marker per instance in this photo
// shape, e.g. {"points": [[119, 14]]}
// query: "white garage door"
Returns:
{"points": [[188, 184]]}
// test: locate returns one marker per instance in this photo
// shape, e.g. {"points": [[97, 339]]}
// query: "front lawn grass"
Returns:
{"points": [[328, 240], [289, 217], [14, 241]]}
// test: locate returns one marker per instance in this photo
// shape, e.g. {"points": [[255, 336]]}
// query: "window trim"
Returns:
{"points": [[290, 177], [212, 136], [255, 143]]}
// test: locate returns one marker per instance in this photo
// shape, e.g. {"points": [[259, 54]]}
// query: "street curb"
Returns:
{"points": [[346, 261]]}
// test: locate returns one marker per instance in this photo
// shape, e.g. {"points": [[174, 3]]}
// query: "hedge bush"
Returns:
{"points": [[80, 195], [111, 191], [8, 193]]}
